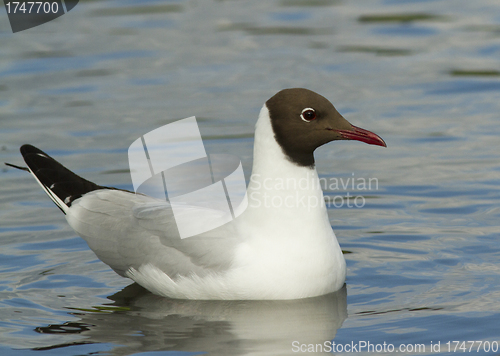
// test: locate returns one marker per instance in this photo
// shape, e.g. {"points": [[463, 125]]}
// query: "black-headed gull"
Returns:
{"points": [[270, 251]]}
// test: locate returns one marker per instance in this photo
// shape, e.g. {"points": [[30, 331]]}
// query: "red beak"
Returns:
{"points": [[362, 135]]}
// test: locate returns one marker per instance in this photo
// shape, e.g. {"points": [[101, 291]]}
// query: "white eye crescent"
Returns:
{"points": [[308, 115]]}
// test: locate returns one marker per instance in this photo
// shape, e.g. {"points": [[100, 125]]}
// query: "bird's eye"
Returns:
{"points": [[308, 114]]}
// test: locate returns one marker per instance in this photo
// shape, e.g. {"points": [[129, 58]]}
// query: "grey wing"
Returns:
{"points": [[127, 230]]}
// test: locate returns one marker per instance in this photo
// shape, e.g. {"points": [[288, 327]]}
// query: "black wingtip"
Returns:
{"points": [[62, 185], [27, 149]]}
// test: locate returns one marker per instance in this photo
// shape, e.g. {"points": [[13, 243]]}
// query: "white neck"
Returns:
{"points": [[269, 158], [279, 188]]}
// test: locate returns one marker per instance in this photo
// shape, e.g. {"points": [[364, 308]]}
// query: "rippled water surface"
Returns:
{"points": [[422, 253]]}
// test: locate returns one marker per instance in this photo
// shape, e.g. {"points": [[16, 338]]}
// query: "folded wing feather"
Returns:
{"points": [[127, 230]]}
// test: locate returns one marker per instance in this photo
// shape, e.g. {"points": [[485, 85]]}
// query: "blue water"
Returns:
{"points": [[422, 253]]}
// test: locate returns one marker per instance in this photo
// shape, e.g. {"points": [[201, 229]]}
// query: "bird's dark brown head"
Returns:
{"points": [[303, 120]]}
